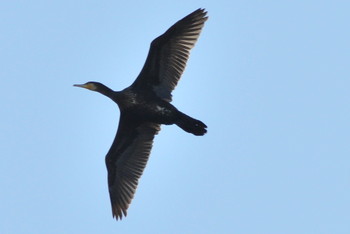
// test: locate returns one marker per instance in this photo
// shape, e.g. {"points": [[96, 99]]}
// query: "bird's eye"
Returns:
{"points": [[90, 86]]}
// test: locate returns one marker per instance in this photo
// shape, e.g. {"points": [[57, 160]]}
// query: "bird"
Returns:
{"points": [[145, 105]]}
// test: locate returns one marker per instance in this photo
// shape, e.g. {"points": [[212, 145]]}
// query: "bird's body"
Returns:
{"points": [[145, 105]]}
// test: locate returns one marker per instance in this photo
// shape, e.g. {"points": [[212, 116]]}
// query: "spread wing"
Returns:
{"points": [[126, 161], [168, 55]]}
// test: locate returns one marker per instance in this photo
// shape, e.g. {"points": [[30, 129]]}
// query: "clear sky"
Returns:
{"points": [[271, 80]]}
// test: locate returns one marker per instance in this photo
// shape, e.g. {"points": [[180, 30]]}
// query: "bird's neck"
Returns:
{"points": [[105, 91], [117, 97]]}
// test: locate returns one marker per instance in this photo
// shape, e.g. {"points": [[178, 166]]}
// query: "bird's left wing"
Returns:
{"points": [[168, 55], [126, 161]]}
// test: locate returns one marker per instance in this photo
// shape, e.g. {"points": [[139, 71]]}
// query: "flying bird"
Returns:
{"points": [[145, 105]]}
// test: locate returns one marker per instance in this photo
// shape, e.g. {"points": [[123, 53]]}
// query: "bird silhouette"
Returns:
{"points": [[145, 105]]}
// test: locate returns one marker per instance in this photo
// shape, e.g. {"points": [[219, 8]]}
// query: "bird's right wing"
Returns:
{"points": [[126, 161]]}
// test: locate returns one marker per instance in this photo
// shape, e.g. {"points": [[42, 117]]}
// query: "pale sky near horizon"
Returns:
{"points": [[271, 80]]}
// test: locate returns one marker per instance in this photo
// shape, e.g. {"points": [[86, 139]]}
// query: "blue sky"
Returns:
{"points": [[270, 79]]}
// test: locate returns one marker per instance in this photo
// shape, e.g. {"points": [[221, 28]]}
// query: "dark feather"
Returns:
{"points": [[126, 161], [168, 55]]}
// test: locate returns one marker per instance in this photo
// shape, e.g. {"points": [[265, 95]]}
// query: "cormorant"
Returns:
{"points": [[145, 105]]}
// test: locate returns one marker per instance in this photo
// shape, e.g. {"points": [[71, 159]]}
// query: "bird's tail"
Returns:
{"points": [[191, 125]]}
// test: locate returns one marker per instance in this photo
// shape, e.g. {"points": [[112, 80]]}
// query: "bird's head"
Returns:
{"points": [[93, 86], [98, 87]]}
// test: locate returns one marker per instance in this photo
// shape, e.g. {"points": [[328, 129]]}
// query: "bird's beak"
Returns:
{"points": [[88, 86], [80, 85]]}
